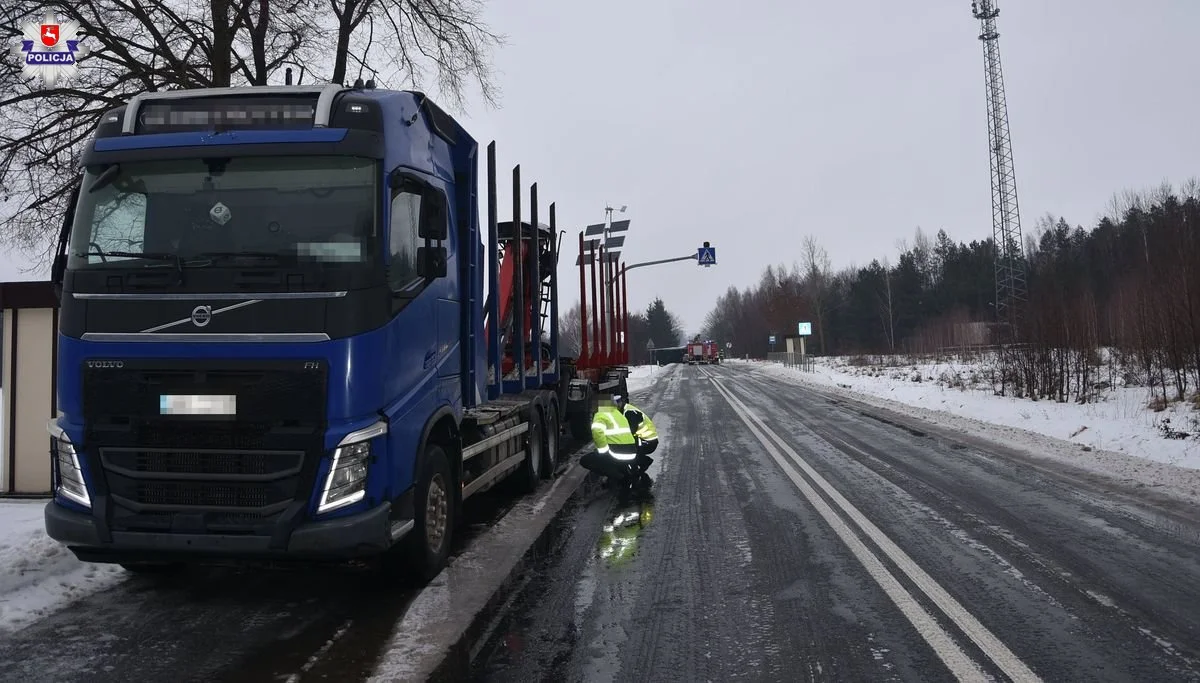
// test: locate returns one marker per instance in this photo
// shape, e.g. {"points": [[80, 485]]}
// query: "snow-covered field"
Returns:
{"points": [[37, 575], [1118, 434]]}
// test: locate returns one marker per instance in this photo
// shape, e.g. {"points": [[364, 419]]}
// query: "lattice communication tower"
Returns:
{"points": [[1011, 281]]}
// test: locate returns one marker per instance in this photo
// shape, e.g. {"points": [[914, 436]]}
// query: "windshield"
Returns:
{"points": [[239, 210]]}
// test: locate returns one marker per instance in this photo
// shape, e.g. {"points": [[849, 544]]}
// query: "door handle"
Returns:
{"points": [[430, 356]]}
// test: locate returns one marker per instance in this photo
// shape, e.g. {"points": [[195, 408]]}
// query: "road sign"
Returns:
{"points": [[771, 340], [729, 345], [804, 329], [706, 255]]}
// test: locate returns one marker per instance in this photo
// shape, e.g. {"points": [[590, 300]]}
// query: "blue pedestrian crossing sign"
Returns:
{"points": [[706, 255]]}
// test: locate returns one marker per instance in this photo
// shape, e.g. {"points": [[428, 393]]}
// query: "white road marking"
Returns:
{"points": [[959, 663], [324, 649]]}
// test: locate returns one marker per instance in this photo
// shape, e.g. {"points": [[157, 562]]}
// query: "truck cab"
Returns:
{"points": [[272, 332]]}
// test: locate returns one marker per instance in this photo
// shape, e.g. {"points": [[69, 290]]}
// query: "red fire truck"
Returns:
{"points": [[706, 352]]}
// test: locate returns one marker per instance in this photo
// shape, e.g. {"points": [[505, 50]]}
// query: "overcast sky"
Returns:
{"points": [[852, 121]]}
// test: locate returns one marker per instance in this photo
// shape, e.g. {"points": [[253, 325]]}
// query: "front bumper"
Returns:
{"points": [[355, 536]]}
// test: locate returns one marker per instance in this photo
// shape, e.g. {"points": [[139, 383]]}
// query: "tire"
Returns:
{"points": [[426, 549], [581, 426], [529, 474], [550, 442]]}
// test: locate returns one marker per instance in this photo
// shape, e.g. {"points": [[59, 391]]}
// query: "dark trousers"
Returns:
{"points": [[616, 469], [643, 460]]}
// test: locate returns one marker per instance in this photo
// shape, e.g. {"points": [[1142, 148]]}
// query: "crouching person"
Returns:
{"points": [[624, 438]]}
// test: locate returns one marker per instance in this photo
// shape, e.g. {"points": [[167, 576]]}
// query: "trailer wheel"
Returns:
{"points": [[529, 474], [581, 425], [550, 442], [427, 547]]}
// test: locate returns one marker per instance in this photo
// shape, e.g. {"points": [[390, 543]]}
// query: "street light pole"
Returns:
{"points": [[691, 257]]}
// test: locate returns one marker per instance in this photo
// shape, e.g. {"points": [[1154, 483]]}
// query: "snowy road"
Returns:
{"points": [[798, 536]]}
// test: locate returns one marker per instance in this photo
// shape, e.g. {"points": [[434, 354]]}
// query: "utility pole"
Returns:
{"points": [[1011, 280]]}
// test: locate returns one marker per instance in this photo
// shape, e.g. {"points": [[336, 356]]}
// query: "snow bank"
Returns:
{"points": [[37, 575], [642, 376], [1118, 435]]}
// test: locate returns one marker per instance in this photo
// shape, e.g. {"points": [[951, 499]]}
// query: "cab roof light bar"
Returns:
{"points": [[321, 116]]}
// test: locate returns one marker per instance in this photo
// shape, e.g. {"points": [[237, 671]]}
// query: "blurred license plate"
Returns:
{"points": [[196, 404]]}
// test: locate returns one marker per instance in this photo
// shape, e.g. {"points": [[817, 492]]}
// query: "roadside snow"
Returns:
{"points": [[642, 376], [1117, 435], [37, 575]]}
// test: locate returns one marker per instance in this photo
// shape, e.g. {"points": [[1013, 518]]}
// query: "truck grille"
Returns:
{"points": [[190, 494], [214, 491], [205, 474], [184, 462]]}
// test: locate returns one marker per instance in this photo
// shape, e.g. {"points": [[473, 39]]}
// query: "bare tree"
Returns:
{"points": [[137, 46], [570, 331], [922, 251], [448, 34], [816, 280], [887, 312]]}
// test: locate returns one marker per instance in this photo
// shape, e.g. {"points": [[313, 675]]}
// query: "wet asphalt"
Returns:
{"points": [[855, 547]]}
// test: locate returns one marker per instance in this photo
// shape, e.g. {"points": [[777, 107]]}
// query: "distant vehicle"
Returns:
{"points": [[712, 353], [703, 353], [274, 341]]}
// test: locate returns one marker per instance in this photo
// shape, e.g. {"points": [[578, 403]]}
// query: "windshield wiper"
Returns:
{"points": [[151, 256]]}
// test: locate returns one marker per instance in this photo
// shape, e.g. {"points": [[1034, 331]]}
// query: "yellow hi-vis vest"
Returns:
{"points": [[645, 430], [611, 434]]}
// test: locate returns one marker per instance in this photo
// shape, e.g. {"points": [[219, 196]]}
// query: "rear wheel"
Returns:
{"points": [[424, 552], [581, 424], [530, 473], [550, 442]]}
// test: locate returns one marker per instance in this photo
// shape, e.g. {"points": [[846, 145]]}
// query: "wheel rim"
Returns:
{"points": [[552, 439], [436, 508]]}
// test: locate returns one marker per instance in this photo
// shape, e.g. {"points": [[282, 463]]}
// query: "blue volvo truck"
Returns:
{"points": [[274, 337]]}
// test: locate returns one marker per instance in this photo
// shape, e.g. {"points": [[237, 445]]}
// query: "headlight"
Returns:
{"points": [[346, 482], [69, 481]]}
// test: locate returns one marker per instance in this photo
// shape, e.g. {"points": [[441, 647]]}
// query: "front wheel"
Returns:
{"points": [[426, 549]]}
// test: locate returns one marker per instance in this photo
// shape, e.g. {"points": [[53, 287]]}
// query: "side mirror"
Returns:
{"points": [[433, 224], [431, 262]]}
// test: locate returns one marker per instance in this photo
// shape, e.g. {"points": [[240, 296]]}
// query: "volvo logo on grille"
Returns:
{"points": [[106, 363], [201, 315]]}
